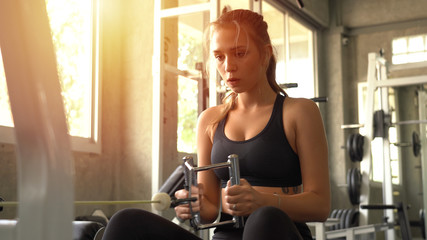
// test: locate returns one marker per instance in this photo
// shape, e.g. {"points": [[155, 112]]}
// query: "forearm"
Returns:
{"points": [[302, 207], [209, 210]]}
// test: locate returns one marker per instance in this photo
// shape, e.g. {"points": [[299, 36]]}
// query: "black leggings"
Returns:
{"points": [[265, 223]]}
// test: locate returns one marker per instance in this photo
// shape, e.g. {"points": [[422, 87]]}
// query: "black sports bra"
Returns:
{"points": [[266, 159]]}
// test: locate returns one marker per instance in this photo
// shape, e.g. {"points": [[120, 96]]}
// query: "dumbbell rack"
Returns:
{"points": [[377, 80]]}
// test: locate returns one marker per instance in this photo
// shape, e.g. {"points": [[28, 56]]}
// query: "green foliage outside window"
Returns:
{"points": [[190, 52]]}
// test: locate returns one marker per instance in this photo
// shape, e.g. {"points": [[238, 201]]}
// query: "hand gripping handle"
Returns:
{"points": [[234, 171], [190, 177], [190, 173]]}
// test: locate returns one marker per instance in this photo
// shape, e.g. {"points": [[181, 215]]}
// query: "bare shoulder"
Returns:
{"points": [[206, 120], [300, 108], [209, 114]]}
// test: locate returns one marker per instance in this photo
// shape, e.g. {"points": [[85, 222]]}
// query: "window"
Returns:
{"points": [[74, 33], [190, 58], [409, 49], [294, 46]]}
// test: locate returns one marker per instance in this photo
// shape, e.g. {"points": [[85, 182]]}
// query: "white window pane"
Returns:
{"points": [[395, 172], [300, 63], [377, 163], [400, 59], [416, 44], [299, 37], [187, 114], [276, 29], [5, 113], [416, 57], [399, 45], [70, 22]]}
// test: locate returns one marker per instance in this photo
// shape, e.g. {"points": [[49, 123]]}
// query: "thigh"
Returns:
{"points": [[137, 224], [228, 235], [270, 223]]}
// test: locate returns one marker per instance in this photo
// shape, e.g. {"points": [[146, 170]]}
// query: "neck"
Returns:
{"points": [[258, 98]]}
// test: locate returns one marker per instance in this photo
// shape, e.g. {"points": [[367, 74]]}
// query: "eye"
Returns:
{"points": [[219, 57], [240, 54]]}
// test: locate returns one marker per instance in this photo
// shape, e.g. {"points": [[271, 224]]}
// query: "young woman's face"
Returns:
{"points": [[237, 59]]}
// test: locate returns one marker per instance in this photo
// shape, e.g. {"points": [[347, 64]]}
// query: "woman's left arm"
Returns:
{"points": [[309, 140]]}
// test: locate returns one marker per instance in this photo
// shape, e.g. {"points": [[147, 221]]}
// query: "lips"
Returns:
{"points": [[232, 81]]}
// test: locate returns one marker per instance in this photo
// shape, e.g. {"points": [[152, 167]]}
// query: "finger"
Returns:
{"points": [[244, 182], [232, 190], [236, 209], [181, 194], [183, 215]]}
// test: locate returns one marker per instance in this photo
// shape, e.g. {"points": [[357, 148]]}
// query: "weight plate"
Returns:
{"points": [[339, 213], [1, 207], [350, 185], [356, 179], [342, 218], [416, 144], [352, 219], [348, 217], [358, 143], [349, 147], [333, 215]]}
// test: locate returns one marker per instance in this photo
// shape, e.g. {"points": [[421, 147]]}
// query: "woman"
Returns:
{"points": [[280, 142]]}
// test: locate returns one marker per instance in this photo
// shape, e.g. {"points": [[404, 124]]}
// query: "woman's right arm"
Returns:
{"points": [[211, 191], [209, 186]]}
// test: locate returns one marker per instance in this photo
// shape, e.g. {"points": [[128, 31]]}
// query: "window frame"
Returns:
{"points": [[290, 11], [81, 144]]}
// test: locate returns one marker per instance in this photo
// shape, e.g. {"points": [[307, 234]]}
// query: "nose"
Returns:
{"points": [[230, 65]]}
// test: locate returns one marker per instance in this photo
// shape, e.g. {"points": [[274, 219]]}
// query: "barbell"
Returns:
{"points": [[355, 143], [382, 120]]}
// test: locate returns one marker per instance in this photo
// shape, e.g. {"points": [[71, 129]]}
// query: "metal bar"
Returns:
{"points": [[404, 81], [213, 166], [205, 226], [407, 66], [214, 13], [366, 164], [387, 177], [422, 102], [356, 125], [177, 11], [406, 122], [157, 112]]}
